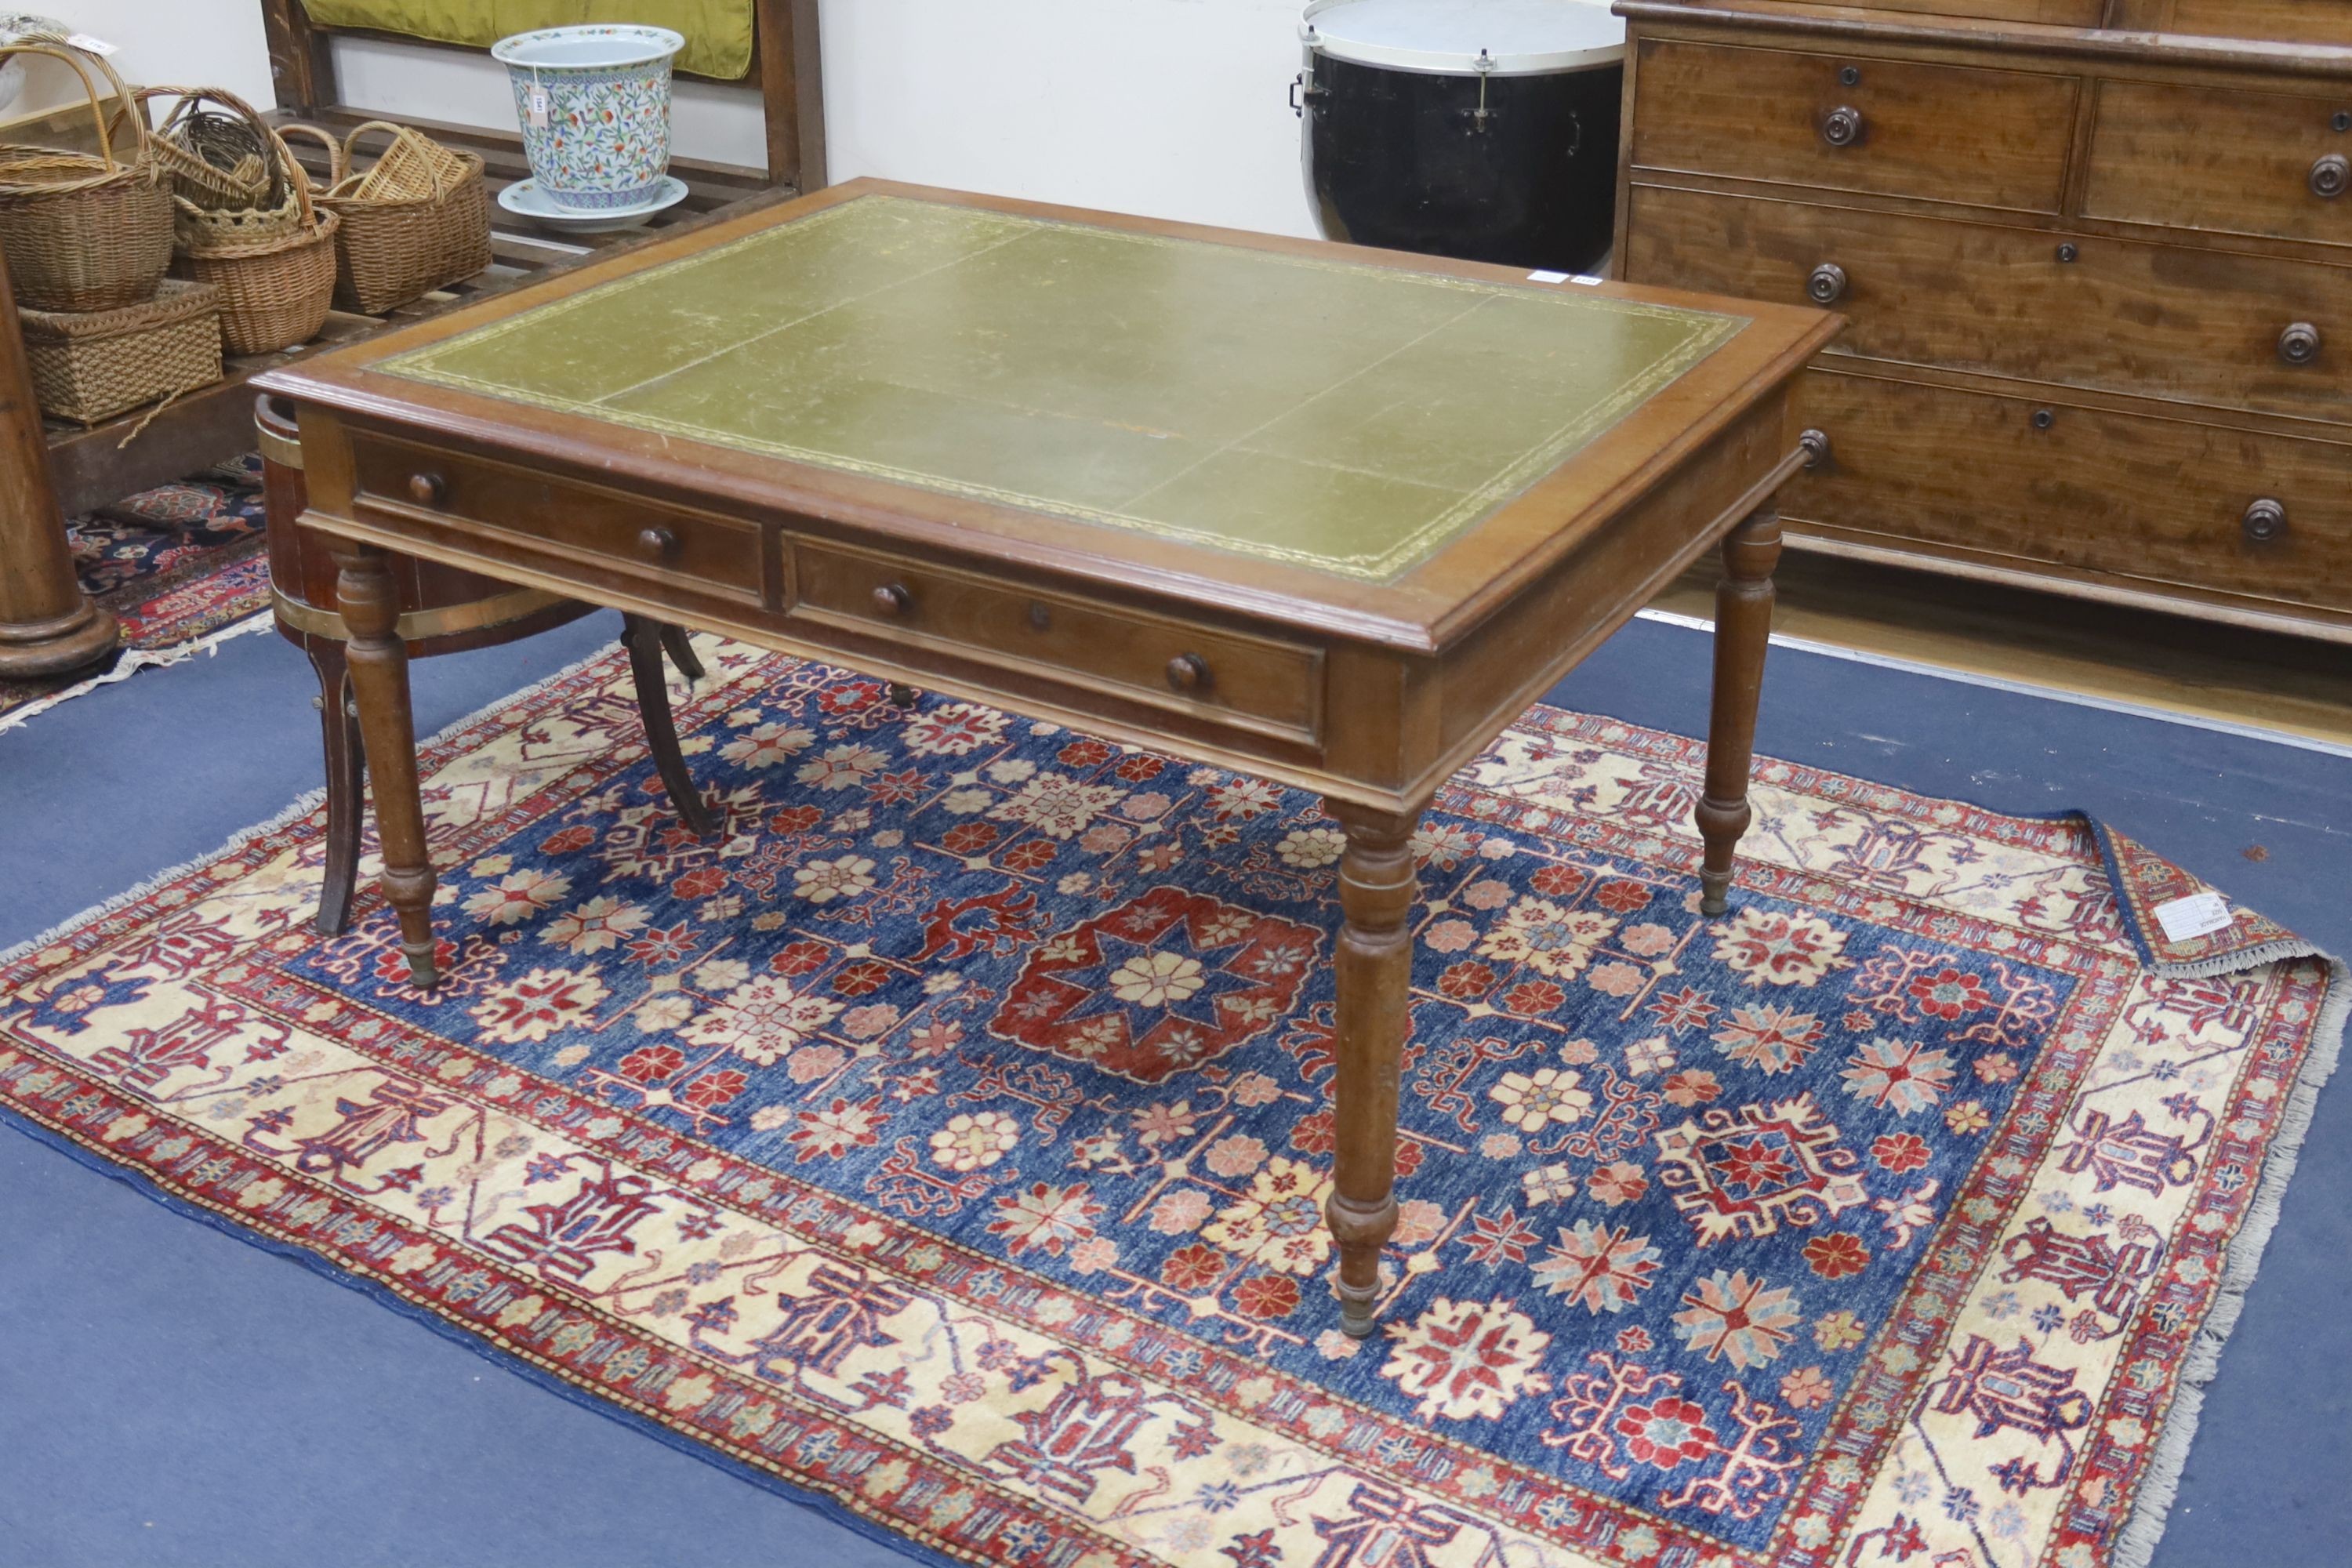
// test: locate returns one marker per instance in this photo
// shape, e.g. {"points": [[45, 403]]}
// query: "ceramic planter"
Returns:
{"points": [[603, 142]]}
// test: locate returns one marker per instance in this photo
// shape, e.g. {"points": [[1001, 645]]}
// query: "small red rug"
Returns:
{"points": [[946, 1141], [180, 565]]}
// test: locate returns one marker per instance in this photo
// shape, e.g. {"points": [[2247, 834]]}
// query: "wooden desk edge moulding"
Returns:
{"points": [[1370, 693]]}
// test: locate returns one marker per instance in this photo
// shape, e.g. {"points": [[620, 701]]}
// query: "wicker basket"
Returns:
{"points": [[418, 219], [91, 366], [217, 160], [251, 200], [84, 232], [276, 288]]}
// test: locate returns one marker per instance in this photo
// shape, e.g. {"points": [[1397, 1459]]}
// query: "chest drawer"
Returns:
{"points": [[1953, 133], [2284, 21], [538, 518], [1231, 678], [2159, 501], [2227, 162], [2051, 13], [2154, 320]]}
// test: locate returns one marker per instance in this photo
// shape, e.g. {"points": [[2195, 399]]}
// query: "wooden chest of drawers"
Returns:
{"points": [[2097, 259]]}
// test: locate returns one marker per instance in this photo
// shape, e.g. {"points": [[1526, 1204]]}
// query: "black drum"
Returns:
{"points": [[1480, 128]]}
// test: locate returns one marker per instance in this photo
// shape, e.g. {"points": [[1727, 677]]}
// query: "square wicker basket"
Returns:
{"points": [[90, 366]]}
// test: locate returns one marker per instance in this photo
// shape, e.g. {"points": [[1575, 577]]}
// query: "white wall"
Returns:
{"points": [[1170, 108]]}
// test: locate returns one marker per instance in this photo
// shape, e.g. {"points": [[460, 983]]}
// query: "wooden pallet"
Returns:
{"points": [[92, 465]]}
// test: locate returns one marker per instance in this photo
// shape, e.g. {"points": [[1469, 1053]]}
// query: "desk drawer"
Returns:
{"points": [[2230, 162], [1951, 133], [2154, 320], [2159, 500], [1230, 678], [632, 537]]}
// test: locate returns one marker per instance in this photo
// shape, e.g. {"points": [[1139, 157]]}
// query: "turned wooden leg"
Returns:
{"points": [[681, 651], [646, 639], [370, 604], [48, 625], [1743, 632], [1374, 968], [339, 728]]}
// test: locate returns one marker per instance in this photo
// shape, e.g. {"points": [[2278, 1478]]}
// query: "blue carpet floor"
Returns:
{"points": [[169, 1396]]}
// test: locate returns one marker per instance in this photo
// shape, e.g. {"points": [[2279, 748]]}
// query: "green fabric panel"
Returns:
{"points": [[718, 32], [1341, 416]]}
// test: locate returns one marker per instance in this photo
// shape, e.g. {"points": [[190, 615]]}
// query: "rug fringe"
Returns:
{"points": [[133, 660], [308, 801], [304, 803], [2135, 1545]]}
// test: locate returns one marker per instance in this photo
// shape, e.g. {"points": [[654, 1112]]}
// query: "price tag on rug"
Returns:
{"points": [[2200, 914]]}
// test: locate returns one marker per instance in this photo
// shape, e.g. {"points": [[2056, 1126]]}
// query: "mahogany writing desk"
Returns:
{"points": [[1330, 516]]}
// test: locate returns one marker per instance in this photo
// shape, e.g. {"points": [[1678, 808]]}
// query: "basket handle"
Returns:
{"points": [[190, 97], [336, 167], [81, 62], [352, 157], [294, 176]]}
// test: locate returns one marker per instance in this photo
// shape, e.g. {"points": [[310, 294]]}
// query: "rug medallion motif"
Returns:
{"points": [[949, 1138]]}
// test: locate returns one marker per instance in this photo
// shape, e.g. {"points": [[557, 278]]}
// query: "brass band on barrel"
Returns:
{"points": [[283, 451], [417, 625]]}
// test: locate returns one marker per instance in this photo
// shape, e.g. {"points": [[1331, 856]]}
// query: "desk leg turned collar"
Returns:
{"points": [[1743, 633], [370, 604], [1374, 972]]}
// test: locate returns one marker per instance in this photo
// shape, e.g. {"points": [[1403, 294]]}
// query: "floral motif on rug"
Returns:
{"points": [[948, 1139], [175, 565]]}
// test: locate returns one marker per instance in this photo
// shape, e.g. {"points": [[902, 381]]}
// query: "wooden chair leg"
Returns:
{"points": [[338, 729], [646, 639], [680, 647]]}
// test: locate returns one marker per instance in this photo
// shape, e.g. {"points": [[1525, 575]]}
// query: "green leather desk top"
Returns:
{"points": [[1344, 418]]}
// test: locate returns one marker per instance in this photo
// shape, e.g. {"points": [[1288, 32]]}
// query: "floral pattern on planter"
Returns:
{"points": [[606, 142]]}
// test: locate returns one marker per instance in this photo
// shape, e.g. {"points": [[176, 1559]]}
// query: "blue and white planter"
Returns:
{"points": [[603, 142]]}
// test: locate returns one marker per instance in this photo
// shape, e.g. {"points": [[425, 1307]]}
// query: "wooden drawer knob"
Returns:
{"points": [[656, 543], [2299, 345], [1842, 126], [1188, 672], [892, 599], [2265, 520], [2330, 175], [427, 488], [1827, 284]]}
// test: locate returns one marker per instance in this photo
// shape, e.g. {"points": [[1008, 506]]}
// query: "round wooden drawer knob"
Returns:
{"points": [[1188, 672], [2330, 175], [426, 489], [2265, 520], [1841, 126], [1827, 284], [2299, 345], [892, 599], [656, 543]]}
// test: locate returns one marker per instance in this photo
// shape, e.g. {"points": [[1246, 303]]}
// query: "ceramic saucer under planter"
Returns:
{"points": [[526, 200]]}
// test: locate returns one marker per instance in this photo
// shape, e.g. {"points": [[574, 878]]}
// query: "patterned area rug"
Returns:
{"points": [[949, 1141], [179, 566]]}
